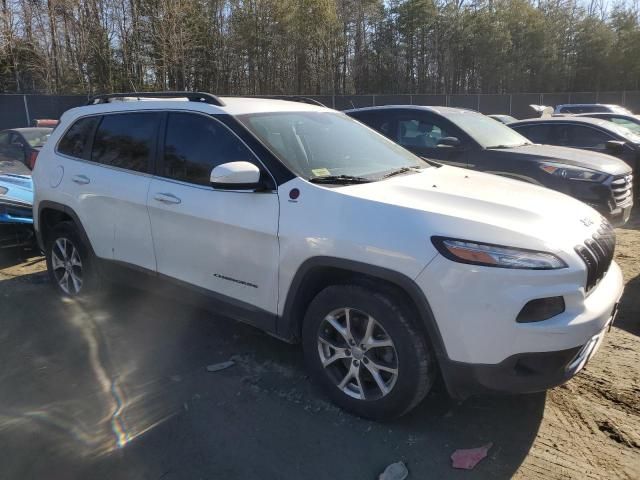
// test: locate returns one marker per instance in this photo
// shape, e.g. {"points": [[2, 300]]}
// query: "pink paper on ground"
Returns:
{"points": [[470, 457]]}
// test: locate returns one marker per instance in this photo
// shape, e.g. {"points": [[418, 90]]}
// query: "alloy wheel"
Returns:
{"points": [[357, 354], [67, 266]]}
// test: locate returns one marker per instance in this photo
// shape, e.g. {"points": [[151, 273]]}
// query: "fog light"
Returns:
{"points": [[541, 309]]}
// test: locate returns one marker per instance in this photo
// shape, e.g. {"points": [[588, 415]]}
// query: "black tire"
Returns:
{"points": [[416, 368], [67, 233]]}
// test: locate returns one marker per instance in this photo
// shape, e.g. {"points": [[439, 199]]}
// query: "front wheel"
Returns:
{"points": [[363, 347]]}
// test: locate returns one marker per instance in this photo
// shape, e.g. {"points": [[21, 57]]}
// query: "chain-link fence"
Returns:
{"points": [[21, 110]]}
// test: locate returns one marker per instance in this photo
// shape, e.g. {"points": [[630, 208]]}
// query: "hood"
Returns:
{"points": [[488, 208], [19, 189], [571, 156]]}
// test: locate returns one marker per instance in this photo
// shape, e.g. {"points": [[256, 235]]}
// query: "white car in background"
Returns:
{"points": [[307, 224]]}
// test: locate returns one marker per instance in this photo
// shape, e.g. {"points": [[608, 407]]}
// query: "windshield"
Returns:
{"points": [[624, 131], [486, 131], [36, 137], [324, 144]]}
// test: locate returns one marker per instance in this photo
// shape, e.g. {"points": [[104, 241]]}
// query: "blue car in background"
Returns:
{"points": [[16, 200]]}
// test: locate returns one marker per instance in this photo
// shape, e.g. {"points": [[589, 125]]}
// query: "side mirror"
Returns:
{"points": [[235, 176], [615, 146], [449, 142]]}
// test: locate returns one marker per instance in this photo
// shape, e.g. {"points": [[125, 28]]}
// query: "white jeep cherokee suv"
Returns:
{"points": [[307, 224]]}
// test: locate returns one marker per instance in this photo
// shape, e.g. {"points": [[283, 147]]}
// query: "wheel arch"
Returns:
{"points": [[50, 214], [319, 272]]}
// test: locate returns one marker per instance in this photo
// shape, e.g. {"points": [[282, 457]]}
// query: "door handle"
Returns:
{"points": [[167, 198], [80, 179]]}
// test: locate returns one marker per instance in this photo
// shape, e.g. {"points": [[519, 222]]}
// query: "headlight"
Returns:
{"points": [[489, 255], [571, 172]]}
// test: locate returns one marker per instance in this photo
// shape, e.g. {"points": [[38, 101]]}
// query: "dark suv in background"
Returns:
{"points": [[468, 139]]}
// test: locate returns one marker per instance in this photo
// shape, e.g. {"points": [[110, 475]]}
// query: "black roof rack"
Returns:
{"points": [[293, 98], [191, 96]]}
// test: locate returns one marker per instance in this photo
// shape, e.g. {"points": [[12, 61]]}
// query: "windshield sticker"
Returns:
{"points": [[320, 172]]}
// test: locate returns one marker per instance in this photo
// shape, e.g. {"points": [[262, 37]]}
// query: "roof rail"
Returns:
{"points": [[191, 96], [294, 98]]}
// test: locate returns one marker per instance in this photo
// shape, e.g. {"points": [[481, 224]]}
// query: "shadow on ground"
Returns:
{"points": [[629, 316], [634, 221], [118, 388], [16, 256]]}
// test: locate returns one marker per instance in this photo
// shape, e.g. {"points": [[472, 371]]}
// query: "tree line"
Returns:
{"points": [[261, 47]]}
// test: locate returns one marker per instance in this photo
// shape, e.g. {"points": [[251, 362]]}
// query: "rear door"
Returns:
{"points": [[221, 241], [108, 178]]}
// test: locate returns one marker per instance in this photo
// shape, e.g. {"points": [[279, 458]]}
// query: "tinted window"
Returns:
{"points": [[16, 140], [195, 144], [535, 133], [580, 136], [419, 133], [584, 109], [4, 138], [73, 142], [125, 140], [381, 123]]}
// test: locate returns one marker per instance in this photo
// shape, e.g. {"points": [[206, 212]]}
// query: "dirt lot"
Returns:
{"points": [[119, 389]]}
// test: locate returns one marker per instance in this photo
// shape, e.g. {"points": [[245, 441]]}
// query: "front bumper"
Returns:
{"points": [[475, 309], [521, 373]]}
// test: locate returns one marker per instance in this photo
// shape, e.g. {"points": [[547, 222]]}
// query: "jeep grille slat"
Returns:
{"points": [[597, 254]]}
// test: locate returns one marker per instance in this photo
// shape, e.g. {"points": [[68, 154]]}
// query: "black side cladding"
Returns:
{"points": [[597, 254]]}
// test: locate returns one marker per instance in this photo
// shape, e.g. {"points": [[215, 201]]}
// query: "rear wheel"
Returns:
{"points": [[362, 346], [69, 262]]}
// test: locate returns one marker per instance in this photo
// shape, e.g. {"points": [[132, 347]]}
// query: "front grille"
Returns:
{"points": [[597, 254], [622, 189]]}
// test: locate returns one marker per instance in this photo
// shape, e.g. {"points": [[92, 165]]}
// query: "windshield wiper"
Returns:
{"points": [[340, 179], [401, 170], [508, 146]]}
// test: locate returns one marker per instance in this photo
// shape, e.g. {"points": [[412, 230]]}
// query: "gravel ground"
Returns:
{"points": [[119, 389]]}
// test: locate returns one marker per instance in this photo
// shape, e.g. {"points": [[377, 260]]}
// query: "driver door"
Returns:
{"points": [[222, 242]]}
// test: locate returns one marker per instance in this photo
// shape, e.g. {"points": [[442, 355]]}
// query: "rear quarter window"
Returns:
{"points": [[75, 141]]}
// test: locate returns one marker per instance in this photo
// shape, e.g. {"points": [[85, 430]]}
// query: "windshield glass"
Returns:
{"points": [[624, 131], [486, 131], [36, 137], [323, 144]]}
